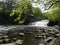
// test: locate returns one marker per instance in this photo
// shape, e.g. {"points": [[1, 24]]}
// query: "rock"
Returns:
{"points": [[38, 36], [41, 44], [2, 38], [5, 36], [19, 42], [48, 39], [57, 34], [9, 44], [14, 39], [1, 41], [21, 34], [6, 40]]}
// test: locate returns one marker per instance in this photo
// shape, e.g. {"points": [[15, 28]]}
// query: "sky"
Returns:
{"points": [[41, 6], [3, 0], [0, 0]]}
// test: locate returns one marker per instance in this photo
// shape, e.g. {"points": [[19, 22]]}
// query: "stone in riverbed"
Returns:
{"points": [[21, 34], [19, 42], [0, 41], [9, 44], [6, 40]]}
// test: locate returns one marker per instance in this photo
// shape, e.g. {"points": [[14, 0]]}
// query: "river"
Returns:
{"points": [[27, 36]]}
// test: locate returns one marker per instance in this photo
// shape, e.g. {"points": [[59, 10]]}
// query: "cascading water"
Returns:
{"points": [[42, 23]]}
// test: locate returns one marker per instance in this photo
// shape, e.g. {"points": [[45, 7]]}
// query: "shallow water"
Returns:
{"points": [[27, 36]]}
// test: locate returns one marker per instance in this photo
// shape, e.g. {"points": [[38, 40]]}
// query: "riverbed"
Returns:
{"points": [[21, 35]]}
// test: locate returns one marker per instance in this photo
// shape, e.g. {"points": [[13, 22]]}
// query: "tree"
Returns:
{"points": [[20, 12], [54, 10], [38, 14], [5, 9], [25, 11], [9, 6]]}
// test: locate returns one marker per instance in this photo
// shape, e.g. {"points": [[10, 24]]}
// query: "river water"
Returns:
{"points": [[29, 38]]}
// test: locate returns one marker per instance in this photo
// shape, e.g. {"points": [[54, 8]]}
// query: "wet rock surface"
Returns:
{"points": [[16, 35]]}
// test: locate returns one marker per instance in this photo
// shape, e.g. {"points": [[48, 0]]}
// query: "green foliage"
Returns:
{"points": [[23, 10], [20, 11], [54, 13], [8, 6], [38, 14]]}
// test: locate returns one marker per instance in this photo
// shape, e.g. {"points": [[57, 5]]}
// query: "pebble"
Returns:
{"points": [[9, 44], [19, 41]]}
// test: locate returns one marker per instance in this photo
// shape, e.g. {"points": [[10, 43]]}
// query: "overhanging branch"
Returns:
{"points": [[52, 5]]}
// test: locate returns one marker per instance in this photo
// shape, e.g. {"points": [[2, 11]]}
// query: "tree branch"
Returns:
{"points": [[52, 5]]}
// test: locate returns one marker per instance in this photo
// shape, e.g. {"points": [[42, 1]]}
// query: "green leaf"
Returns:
{"points": [[12, 14]]}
